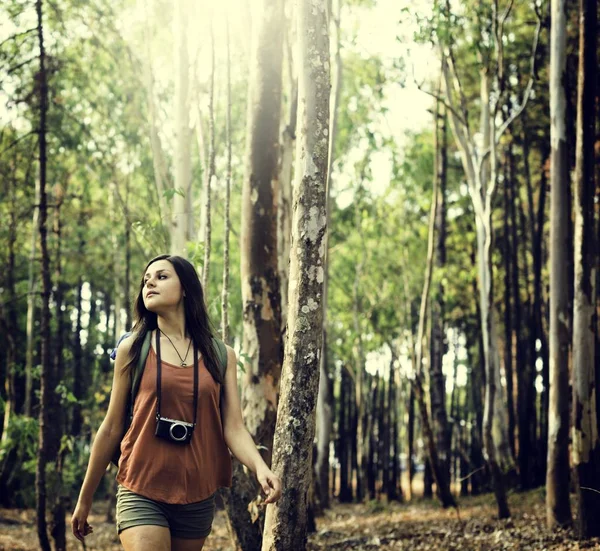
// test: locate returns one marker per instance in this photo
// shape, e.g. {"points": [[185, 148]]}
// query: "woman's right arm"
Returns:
{"points": [[107, 439]]}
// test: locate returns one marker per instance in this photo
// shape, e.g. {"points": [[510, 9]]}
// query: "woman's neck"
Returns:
{"points": [[174, 326]]}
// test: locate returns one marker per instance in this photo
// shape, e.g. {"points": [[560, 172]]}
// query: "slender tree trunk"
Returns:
{"points": [[31, 296], [535, 328], [437, 390], [509, 316], [411, 441], [344, 438], [372, 428], [182, 167], [324, 423], [78, 388], [543, 333], [586, 442], [10, 375], [161, 173], [438, 470], [395, 484], [359, 369], [225, 290], [525, 370], [57, 528], [262, 342], [117, 263], [295, 421], [46, 386], [210, 174], [558, 507], [126, 283], [387, 414]]}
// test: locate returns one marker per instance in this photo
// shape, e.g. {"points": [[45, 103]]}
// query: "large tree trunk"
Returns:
{"points": [[325, 399], [586, 443], [284, 198], [46, 383], [558, 507], [292, 458], [179, 219], [262, 341]]}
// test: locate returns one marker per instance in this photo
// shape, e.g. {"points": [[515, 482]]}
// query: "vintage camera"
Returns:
{"points": [[173, 430]]}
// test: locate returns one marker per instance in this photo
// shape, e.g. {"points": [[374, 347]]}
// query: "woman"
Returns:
{"points": [[175, 455]]}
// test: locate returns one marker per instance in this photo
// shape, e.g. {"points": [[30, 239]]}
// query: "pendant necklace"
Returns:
{"points": [[183, 364]]}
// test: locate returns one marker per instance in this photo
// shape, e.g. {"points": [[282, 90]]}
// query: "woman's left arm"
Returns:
{"points": [[238, 438]]}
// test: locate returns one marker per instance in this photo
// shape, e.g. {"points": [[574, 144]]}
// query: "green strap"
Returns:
{"points": [[139, 368], [221, 355]]}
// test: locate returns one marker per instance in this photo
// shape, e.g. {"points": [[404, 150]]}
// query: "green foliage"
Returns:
{"points": [[21, 444]]}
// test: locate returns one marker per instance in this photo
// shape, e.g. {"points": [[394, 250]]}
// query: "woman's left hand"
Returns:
{"points": [[270, 484]]}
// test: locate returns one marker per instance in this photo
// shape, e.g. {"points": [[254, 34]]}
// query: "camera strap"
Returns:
{"points": [[159, 377]]}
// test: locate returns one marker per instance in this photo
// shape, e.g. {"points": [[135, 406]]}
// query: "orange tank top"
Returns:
{"points": [[167, 472]]}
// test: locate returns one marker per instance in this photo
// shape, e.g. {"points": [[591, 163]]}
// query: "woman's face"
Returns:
{"points": [[162, 288]]}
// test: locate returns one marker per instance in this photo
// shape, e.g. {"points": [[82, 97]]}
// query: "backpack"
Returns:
{"points": [[138, 371]]}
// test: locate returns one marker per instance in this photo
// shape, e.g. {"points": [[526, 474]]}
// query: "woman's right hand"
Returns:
{"points": [[79, 523]]}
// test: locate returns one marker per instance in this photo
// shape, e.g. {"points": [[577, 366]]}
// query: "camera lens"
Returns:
{"points": [[178, 432]]}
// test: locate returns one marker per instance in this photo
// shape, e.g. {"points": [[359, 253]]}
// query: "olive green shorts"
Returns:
{"points": [[190, 521]]}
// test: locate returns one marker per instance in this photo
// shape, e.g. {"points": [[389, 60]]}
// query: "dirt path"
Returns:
{"points": [[418, 526]]}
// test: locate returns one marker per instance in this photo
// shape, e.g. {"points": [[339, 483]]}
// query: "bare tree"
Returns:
{"points": [[481, 171], [292, 458]]}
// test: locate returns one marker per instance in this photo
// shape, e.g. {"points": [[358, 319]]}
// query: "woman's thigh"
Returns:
{"points": [[184, 544], [145, 537]]}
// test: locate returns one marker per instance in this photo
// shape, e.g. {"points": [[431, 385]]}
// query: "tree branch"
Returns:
{"points": [[15, 36], [528, 88], [15, 142], [19, 65], [442, 101]]}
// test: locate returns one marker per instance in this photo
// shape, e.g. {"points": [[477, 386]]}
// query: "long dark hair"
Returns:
{"points": [[197, 322]]}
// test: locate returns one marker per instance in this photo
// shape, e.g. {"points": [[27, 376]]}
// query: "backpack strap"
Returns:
{"points": [[138, 369], [221, 351]]}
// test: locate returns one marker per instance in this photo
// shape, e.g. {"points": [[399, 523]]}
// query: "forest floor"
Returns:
{"points": [[420, 525]]}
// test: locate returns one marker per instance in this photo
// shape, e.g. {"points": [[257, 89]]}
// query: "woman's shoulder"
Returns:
{"points": [[125, 344]]}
